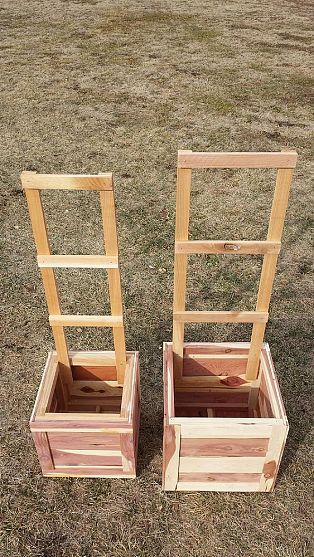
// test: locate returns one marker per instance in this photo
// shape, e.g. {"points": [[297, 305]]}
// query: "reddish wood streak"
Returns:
{"points": [[94, 373], [64, 459], [127, 450], [232, 412], [201, 397], [269, 469], [233, 381], [169, 448], [208, 348], [88, 440], [43, 451], [213, 366]]}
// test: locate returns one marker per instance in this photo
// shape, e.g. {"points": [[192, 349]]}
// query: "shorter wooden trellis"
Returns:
{"points": [[86, 399], [212, 390]]}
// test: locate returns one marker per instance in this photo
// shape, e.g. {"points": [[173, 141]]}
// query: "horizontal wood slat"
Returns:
{"points": [[230, 464], [91, 389], [211, 397], [93, 358], [208, 365], [224, 381], [90, 472], [85, 458], [237, 160], [230, 429], [32, 180], [86, 320], [240, 487], [218, 477], [61, 440], [231, 247], [221, 348], [78, 261], [220, 316], [224, 447], [94, 373]]}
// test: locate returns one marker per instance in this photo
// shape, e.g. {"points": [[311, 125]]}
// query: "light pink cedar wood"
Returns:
{"points": [[171, 454], [43, 451]]}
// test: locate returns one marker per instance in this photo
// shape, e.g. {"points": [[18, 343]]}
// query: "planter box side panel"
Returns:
{"points": [[85, 454]]}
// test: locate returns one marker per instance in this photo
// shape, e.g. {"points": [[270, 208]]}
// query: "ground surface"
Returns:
{"points": [[90, 86]]}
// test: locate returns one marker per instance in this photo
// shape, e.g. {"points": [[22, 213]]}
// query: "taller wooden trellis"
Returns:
{"points": [[211, 390], [86, 417]]}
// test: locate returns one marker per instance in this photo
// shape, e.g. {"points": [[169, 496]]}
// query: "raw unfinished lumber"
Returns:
{"points": [[33, 183], [85, 421], [269, 248], [225, 425]]}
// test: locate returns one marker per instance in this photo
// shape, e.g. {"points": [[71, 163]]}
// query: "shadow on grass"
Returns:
{"points": [[296, 386], [149, 340]]}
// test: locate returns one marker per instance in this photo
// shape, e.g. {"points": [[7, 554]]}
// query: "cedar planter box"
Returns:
{"points": [[225, 425], [86, 417], [89, 429], [221, 432]]}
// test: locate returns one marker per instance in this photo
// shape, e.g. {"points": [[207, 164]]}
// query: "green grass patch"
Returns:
{"points": [[216, 103]]}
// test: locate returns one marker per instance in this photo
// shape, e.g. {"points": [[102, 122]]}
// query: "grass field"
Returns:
{"points": [[89, 86]]}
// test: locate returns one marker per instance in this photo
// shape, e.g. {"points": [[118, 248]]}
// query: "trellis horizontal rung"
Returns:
{"points": [[32, 180], [220, 316], [86, 320], [78, 261], [237, 247], [237, 160]]}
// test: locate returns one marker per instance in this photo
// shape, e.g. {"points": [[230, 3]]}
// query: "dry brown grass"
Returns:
{"points": [[90, 86]]}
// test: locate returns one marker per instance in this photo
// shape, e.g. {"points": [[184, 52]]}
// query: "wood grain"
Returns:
{"points": [[237, 160], [34, 181], [86, 320], [220, 316], [224, 447], [171, 451], [231, 247], [77, 261], [108, 212], [275, 228]]}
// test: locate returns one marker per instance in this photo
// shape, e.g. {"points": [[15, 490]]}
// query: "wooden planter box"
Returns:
{"points": [[221, 432], [86, 417], [90, 429]]}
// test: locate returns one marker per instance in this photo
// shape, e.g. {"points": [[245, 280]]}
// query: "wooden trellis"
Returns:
{"points": [[85, 421], [187, 160], [225, 425], [33, 183]]}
